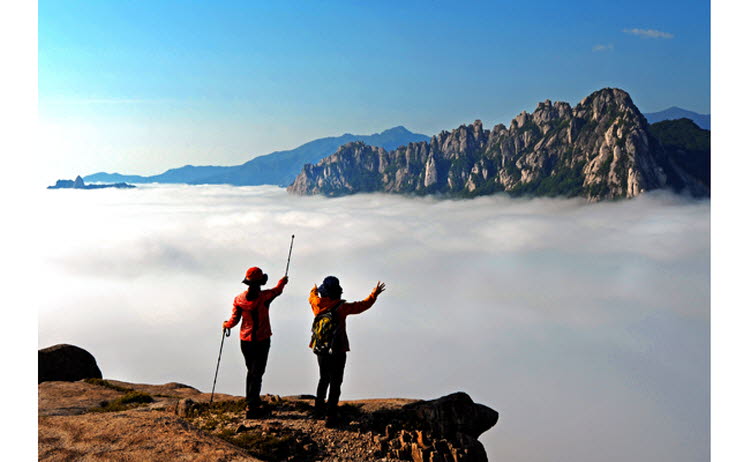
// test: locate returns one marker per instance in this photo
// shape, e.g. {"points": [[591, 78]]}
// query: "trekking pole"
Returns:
{"points": [[289, 257], [224, 333]]}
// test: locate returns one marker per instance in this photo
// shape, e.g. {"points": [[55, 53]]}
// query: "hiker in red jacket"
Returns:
{"points": [[331, 365], [255, 333]]}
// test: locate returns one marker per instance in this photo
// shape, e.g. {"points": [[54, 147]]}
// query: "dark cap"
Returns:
{"points": [[330, 288]]}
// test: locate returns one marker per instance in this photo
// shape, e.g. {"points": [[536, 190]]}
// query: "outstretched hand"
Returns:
{"points": [[379, 289]]}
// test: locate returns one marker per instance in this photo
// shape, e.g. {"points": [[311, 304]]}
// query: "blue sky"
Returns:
{"points": [[138, 87]]}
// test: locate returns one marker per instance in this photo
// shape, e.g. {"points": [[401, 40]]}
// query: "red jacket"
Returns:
{"points": [[256, 324], [322, 304]]}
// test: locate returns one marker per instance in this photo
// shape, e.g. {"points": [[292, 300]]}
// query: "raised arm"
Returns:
{"points": [[363, 305], [314, 299], [276, 291]]}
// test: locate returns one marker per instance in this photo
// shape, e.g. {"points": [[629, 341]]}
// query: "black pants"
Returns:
{"points": [[256, 358], [331, 375]]}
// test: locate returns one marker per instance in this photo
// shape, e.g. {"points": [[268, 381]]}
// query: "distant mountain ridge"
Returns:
{"points": [[277, 168], [600, 149], [675, 113]]}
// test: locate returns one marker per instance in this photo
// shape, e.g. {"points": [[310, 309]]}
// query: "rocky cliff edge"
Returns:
{"points": [[96, 419], [85, 417]]}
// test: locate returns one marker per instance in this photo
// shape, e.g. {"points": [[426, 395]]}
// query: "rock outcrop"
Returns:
{"points": [[102, 420], [452, 415], [445, 428], [78, 183], [67, 363], [599, 149]]}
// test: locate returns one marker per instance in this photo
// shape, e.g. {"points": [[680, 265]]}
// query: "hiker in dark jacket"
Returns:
{"points": [[331, 366], [251, 307]]}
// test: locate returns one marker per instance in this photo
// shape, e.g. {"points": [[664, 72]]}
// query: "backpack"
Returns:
{"points": [[324, 330]]}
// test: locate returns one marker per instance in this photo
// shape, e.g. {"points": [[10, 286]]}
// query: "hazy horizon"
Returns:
{"points": [[585, 325]]}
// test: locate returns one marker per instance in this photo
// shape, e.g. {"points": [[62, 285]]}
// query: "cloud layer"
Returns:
{"points": [[586, 326], [649, 33]]}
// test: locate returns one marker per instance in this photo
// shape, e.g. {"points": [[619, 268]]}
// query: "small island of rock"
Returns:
{"points": [[79, 184]]}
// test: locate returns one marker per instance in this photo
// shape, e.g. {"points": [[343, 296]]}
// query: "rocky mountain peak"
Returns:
{"points": [[616, 95], [400, 129], [462, 140], [546, 112], [520, 120], [609, 102], [601, 149]]}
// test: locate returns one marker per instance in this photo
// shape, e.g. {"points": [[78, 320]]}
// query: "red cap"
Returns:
{"points": [[254, 274]]}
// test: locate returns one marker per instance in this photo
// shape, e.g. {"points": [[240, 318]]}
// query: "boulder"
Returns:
{"points": [[452, 414], [67, 363], [441, 429]]}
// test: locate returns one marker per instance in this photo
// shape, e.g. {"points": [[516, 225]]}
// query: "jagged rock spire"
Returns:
{"points": [[599, 149]]}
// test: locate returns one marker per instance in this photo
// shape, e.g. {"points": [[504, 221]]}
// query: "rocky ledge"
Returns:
{"points": [[114, 420], [96, 419]]}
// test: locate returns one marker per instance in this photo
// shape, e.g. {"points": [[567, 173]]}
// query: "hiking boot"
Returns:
{"points": [[332, 421], [257, 411], [319, 411]]}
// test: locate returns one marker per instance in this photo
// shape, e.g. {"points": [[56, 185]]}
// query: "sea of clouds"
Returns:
{"points": [[585, 325]]}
